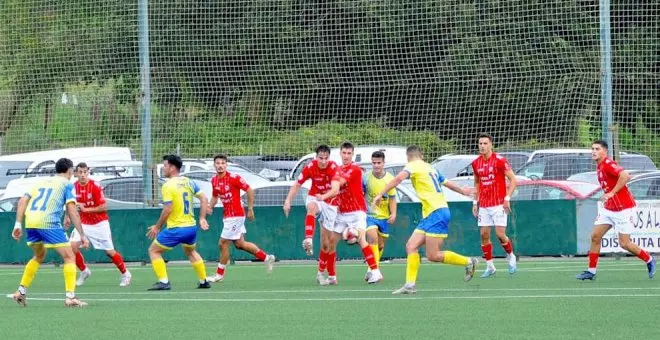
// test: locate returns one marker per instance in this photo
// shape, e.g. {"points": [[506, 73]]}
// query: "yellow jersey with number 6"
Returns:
{"points": [[428, 185], [179, 192]]}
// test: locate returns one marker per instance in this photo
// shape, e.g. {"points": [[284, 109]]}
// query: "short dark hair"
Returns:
{"points": [[63, 165], [81, 165], [378, 154], [413, 149], [220, 156], [601, 143], [174, 160], [322, 148], [485, 135], [347, 146]]}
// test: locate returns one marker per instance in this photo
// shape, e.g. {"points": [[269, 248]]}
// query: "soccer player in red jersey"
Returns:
{"points": [[95, 223], [227, 188], [352, 213], [321, 202], [492, 201], [616, 211]]}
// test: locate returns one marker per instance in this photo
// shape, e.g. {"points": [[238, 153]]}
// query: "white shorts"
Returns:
{"points": [[327, 213], [99, 235], [233, 228], [357, 219], [492, 216], [621, 221]]}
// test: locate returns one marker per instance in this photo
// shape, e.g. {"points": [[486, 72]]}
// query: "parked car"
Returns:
{"points": [[393, 169], [451, 165], [553, 190], [517, 159], [591, 177], [560, 167], [206, 175], [643, 187]]}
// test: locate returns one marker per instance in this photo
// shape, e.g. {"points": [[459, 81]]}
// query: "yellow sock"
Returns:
{"points": [[200, 269], [30, 271], [69, 270], [456, 259], [412, 268], [159, 268], [374, 248]]}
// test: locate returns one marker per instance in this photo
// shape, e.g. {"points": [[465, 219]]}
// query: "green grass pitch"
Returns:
{"points": [[541, 301]]}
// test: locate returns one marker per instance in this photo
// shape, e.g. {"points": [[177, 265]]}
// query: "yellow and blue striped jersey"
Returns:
{"points": [[428, 185], [179, 192], [372, 185], [47, 201]]}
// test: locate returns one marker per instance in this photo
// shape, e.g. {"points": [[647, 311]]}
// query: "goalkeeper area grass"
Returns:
{"points": [[542, 300]]}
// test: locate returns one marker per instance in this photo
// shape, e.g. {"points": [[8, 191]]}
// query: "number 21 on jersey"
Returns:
{"points": [[41, 198]]}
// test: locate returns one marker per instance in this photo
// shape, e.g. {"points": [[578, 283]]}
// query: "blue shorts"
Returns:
{"points": [[435, 224], [50, 238], [381, 224], [172, 237]]}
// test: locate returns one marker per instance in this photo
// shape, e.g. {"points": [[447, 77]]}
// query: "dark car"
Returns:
{"points": [[560, 167]]}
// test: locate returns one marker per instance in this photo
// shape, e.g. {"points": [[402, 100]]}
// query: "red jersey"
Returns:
{"points": [[492, 181], [608, 174], [228, 189], [351, 195], [91, 196], [321, 179]]}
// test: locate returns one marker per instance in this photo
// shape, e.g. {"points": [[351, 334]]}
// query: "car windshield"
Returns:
{"points": [[11, 165], [450, 167], [584, 188]]}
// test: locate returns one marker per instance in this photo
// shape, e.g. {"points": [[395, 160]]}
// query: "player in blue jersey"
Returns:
{"points": [[181, 228], [434, 226], [42, 208]]}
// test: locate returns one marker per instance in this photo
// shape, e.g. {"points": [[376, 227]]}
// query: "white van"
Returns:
{"points": [[17, 165], [362, 154]]}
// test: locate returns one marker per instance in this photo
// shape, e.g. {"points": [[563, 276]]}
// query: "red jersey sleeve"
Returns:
{"points": [[503, 164], [97, 194], [612, 169], [304, 175], [240, 183], [334, 173]]}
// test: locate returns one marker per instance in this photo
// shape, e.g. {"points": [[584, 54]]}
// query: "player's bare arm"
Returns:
{"points": [[475, 202], [292, 193], [203, 210], [392, 206], [334, 190], [72, 213], [624, 176], [212, 204], [20, 216], [510, 190], [402, 176], [455, 187], [155, 229], [250, 204]]}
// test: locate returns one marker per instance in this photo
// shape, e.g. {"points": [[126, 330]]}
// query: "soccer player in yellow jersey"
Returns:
{"points": [[434, 227], [381, 216], [43, 209], [178, 213]]}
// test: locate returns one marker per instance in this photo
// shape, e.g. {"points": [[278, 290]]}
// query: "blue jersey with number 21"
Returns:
{"points": [[179, 192], [47, 200], [428, 185]]}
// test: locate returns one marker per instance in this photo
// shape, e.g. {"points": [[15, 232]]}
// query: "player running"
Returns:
{"points": [[616, 211], [434, 227], [42, 209], [491, 204], [379, 217], [352, 213], [181, 228], [322, 201], [95, 223], [227, 188]]}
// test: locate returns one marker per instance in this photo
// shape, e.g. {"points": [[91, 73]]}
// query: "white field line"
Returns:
{"points": [[401, 298]]}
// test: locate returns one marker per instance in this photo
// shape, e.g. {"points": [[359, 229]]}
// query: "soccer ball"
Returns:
{"points": [[350, 235]]}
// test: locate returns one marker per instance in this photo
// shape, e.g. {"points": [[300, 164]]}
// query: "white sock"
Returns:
{"points": [[164, 280], [70, 295], [592, 270], [22, 290], [490, 264]]}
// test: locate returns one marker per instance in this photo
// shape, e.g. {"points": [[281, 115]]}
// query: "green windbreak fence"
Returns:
{"points": [[536, 228]]}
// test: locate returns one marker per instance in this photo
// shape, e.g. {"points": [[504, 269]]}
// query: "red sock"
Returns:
{"points": [[593, 260], [323, 261], [644, 256], [369, 256], [508, 248], [310, 224], [80, 261], [119, 262], [260, 255], [332, 260], [221, 269], [488, 251]]}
